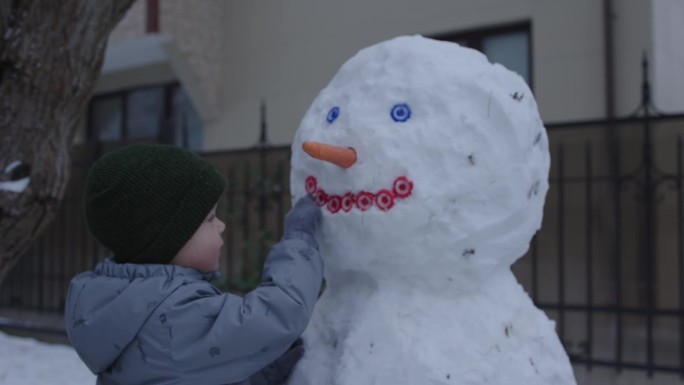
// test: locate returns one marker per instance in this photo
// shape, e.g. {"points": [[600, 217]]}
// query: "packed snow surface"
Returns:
{"points": [[419, 234], [27, 361]]}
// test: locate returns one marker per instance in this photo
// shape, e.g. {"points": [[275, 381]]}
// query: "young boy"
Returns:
{"points": [[149, 315]]}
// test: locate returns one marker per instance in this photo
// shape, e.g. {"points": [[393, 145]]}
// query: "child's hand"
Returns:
{"points": [[278, 372], [304, 216], [287, 361]]}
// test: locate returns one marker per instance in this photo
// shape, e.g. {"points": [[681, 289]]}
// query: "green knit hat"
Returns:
{"points": [[144, 202]]}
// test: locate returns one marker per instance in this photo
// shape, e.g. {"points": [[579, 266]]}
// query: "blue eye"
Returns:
{"points": [[400, 112], [333, 114]]}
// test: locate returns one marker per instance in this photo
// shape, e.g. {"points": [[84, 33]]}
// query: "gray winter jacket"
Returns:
{"points": [[166, 324]]}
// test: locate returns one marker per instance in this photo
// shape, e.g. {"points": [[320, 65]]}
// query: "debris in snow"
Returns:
{"points": [[518, 96], [537, 139], [471, 159]]}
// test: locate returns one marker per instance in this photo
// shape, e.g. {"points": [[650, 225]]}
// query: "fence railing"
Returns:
{"points": [[607, 264]]}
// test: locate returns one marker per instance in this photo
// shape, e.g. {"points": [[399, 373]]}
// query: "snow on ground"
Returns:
{"points": [[27, 361]]}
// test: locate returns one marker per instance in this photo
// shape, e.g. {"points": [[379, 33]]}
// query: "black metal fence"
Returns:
{"points": [[607, 264]]}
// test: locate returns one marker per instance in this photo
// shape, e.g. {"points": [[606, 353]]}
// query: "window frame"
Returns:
{"points": [[473, 38], [166, 133]]}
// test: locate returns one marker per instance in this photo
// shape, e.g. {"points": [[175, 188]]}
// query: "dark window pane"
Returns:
{"points": [[106, 114], [512, 50], [144, 112], [463, 42], [186, 121]]}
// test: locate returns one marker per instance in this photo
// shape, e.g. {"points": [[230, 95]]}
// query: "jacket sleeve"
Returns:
{"points": [[228, 337]]}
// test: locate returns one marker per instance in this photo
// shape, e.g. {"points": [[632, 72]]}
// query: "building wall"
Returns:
{"points": [[632, 32], [567, 51], [198, 29], [668, 55]]}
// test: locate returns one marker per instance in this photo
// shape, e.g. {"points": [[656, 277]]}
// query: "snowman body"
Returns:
{"points": [[481, 338], [419, 233]]}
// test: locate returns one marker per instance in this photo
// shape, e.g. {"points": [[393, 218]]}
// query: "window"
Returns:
{"points": [[145, 113], [106, 116], [185, 121], [161, 114], [509, 46]]}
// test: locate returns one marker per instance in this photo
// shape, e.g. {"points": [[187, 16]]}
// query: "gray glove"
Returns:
{"points": [[277, 372], [303, 216]]}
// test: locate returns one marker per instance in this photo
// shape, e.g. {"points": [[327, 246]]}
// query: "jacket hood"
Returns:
{"points": [[107, 307]]}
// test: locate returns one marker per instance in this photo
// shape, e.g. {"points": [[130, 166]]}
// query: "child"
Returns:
{"points": [[149, 314]]}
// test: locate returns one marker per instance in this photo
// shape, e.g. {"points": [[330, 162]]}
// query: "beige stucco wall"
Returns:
{"points": [[198, 29], [567, 51], [633, 37], [132, 25]]}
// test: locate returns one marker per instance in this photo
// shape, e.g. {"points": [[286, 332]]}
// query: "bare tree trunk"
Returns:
{"points": [[51, 53]]}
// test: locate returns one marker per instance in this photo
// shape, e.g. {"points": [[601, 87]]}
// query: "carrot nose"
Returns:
{"points": [[344, 157]]}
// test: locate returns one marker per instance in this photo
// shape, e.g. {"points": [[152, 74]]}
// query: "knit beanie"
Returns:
{"points": [[144, 202]]}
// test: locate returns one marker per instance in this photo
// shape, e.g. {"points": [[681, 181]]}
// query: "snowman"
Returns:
{"points": [[431, 167]]}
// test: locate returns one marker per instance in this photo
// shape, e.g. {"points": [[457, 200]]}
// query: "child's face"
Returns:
{"points": [[203, 250]]}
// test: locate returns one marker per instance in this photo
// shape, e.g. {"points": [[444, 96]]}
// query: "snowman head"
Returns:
{"points": [[425, 157]]}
